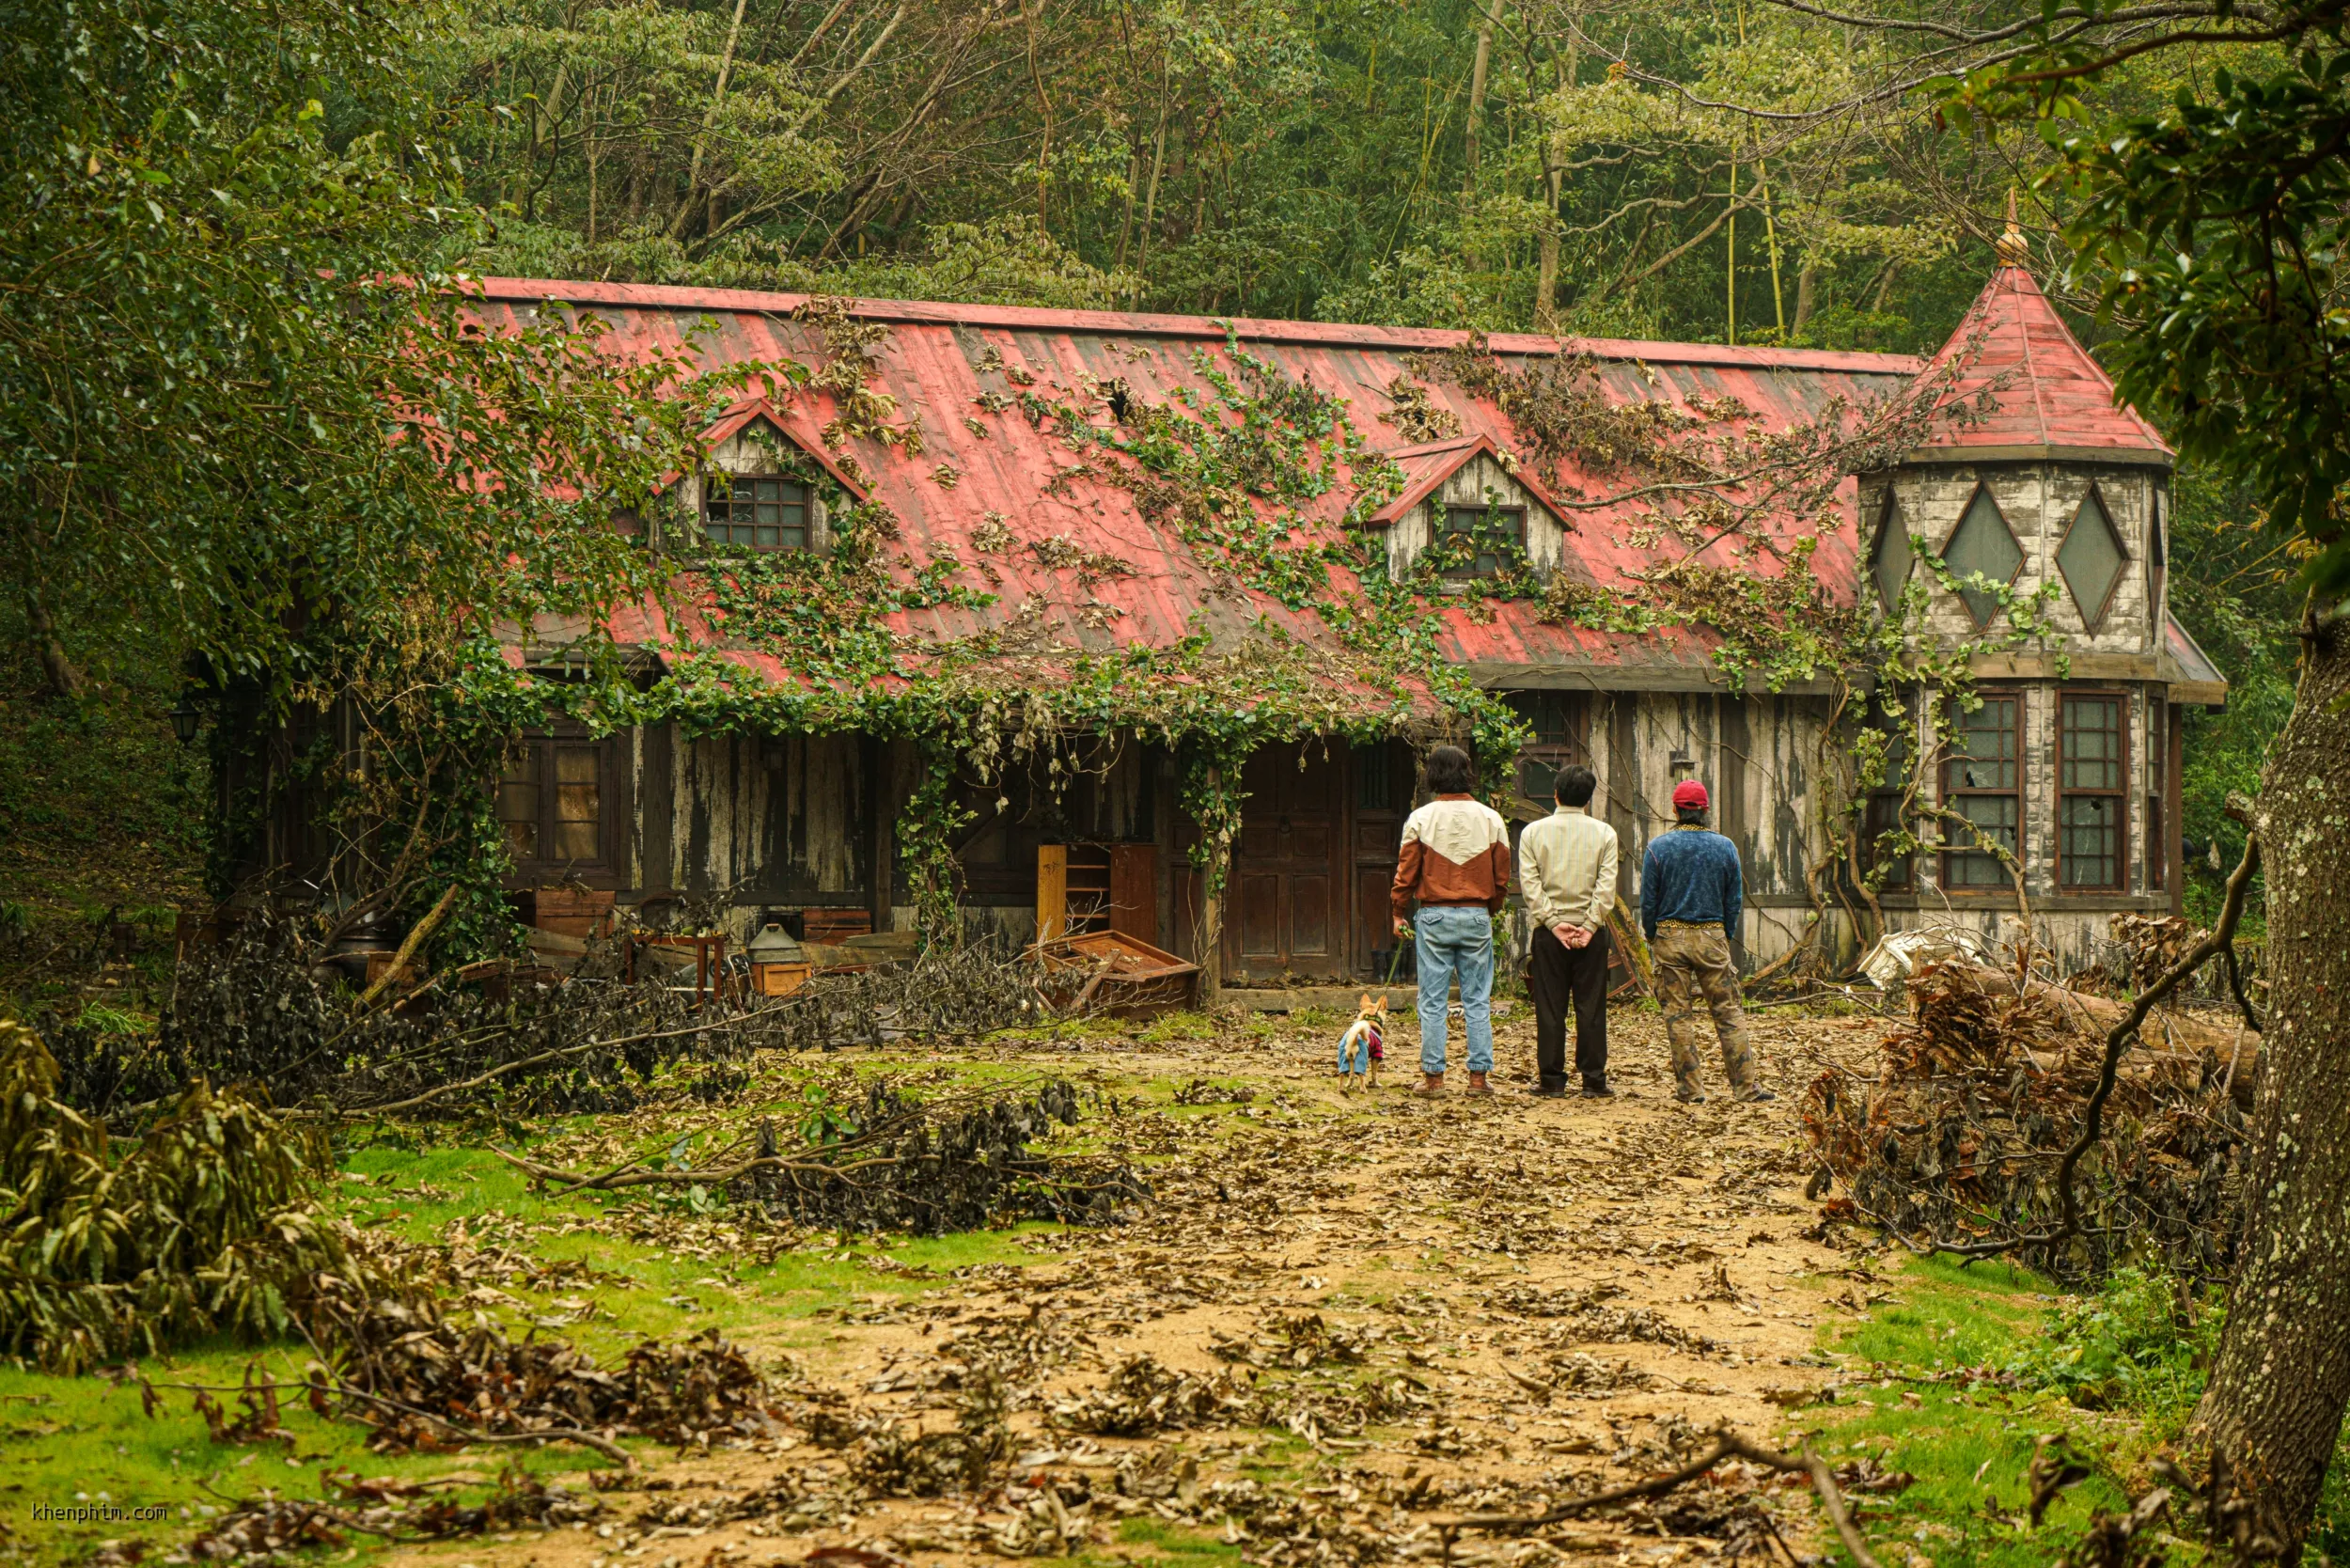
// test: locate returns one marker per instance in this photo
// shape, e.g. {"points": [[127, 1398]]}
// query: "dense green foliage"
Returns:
{"points": [[1431, 162], [233, 410], [2235, 587]]}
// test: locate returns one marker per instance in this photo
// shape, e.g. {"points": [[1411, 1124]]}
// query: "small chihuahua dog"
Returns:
{"points": [[1362, 1047]]}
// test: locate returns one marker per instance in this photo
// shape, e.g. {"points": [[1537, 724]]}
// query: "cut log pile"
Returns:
{"points": [[1958, 1137]]}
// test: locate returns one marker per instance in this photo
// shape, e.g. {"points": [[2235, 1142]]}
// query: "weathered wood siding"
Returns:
{"points": [[771, 818]]}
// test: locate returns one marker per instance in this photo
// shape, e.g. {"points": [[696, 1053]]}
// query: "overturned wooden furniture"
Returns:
{"points": [[1095, 887], [1110, 972]]}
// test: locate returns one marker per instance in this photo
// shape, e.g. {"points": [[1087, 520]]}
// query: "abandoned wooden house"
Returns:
{"points": [[2073, 760]]}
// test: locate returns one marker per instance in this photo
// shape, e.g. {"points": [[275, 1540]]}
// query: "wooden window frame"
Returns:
{"points": [[2093, 623], [1445, 531], [614, 810], [713, 482], [1881, 813], [1573, 747], [2119, 795], [1888, 515], [1949, 796], [2023, 556]]}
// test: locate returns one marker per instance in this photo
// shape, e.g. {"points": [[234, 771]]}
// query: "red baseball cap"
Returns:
{"points": [[1689, 792]]}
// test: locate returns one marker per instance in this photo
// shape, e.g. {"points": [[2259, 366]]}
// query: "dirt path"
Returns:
{"points": [[1362, 1314]]}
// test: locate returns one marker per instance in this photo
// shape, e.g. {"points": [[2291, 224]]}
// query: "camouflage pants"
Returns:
{"points": [[1693, 971]]}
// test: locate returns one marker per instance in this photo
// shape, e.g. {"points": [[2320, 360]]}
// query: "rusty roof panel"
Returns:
{"points": [[1139, 581]]}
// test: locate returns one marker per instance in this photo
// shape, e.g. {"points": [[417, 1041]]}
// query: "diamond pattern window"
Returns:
{"points": [[2092, 559], [2092, 771], [1982, 542], [1506, 522], [1982, 782], [1893, 555], [755, 511]]}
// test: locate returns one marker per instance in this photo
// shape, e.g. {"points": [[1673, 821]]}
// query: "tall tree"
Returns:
{"points": [[232, 409]]}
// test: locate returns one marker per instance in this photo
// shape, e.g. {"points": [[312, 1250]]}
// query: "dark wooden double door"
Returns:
{"points": [[1308, 883]]}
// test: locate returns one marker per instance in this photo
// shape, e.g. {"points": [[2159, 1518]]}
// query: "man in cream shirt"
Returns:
{"points": [[1567, 881]]}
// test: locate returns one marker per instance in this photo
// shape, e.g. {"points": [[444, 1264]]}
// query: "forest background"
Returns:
{"points": [[1482, 164]]}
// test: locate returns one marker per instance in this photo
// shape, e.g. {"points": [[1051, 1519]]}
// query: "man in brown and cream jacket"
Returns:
{"points": [[1455, 864]]}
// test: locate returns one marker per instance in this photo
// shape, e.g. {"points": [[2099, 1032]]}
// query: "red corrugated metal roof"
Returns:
{"points": [[2047, 390], [1136, 580]]}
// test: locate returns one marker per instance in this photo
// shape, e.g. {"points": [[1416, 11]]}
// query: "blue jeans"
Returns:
{"points": [[1456, 939]]}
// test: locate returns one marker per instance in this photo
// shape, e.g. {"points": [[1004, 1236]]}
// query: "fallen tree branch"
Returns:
{"points": [[1727, 1444], [495, 1072], [2221, 938], [415, 939], [602, 1445], [718, 1176]]}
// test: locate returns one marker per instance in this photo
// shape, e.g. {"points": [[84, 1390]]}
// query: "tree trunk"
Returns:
{"points": [[64, 678], [1546, 267], [1212, 879], [1479, 72], [2272, 1412], [1806, 295]]}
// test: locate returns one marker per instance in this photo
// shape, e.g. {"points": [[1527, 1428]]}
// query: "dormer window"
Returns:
{"points": [[759, 512], [1502, 528]]}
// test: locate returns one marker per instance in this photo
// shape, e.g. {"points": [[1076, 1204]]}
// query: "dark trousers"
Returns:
{"points": [[1561, 974]]}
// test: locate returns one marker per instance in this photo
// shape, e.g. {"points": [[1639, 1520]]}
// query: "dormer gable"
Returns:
{"points": [[1471, 484], [762, 486]]}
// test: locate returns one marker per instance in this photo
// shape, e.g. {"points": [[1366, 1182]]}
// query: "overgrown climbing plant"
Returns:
{"points": [[1270, 484]]}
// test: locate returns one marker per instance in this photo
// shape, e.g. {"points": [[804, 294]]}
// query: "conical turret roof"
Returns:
{"points": [[2050, 399]]}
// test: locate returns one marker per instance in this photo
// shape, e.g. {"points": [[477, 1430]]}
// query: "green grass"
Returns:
{"points": [[87, 1439], [65, 1441], [1970, 1451], [1176, 1544]]}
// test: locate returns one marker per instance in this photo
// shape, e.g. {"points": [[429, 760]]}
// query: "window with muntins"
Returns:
{"points": [[1498, 523], [1559, 721], [1883, 812], [755, 511], [1981, 785], [2092, 807], [551, 803]]}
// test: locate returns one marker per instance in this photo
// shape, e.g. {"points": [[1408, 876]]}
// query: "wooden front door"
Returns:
{"points": [[1287, 907], [1382, 798]]}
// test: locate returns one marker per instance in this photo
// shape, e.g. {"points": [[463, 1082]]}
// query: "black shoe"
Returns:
{"points": [[1596, 1088], [1551, 1088], [1690, 1097], [1755, 1094]]}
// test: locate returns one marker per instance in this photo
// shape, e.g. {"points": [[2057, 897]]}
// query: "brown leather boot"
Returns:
{"points": [[1479, 1086], [1431, 1085]]}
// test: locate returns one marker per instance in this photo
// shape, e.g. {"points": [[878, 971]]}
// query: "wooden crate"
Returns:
{"points": [[571, 910], [779, 980], [834, 926]]}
